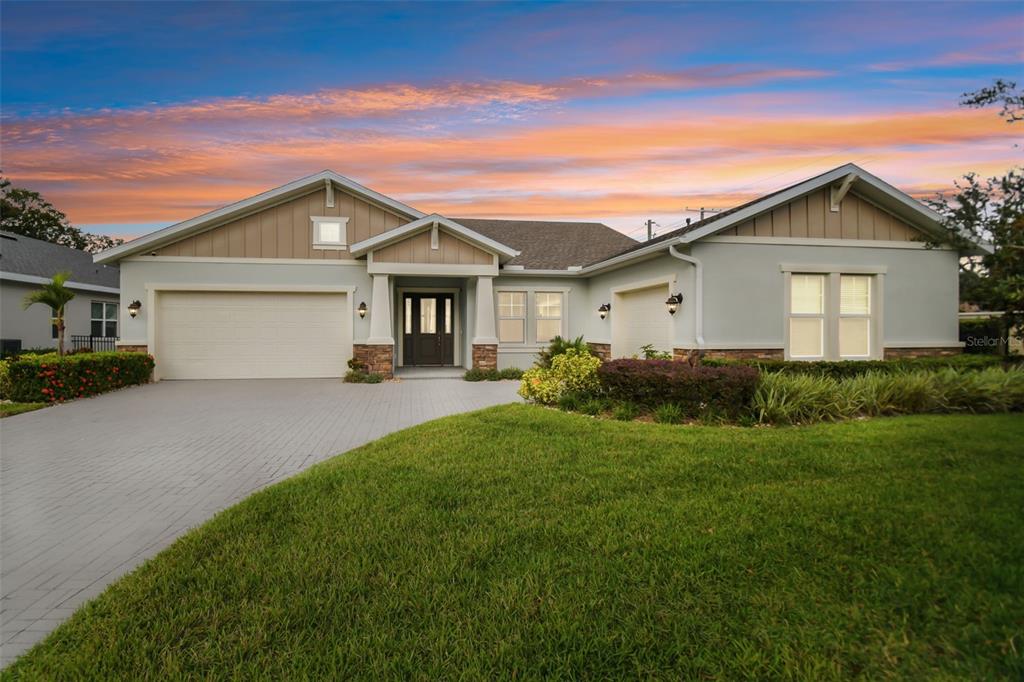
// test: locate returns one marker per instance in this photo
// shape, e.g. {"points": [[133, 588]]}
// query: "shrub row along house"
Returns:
{"points": [[295, 281], [90, 319]]}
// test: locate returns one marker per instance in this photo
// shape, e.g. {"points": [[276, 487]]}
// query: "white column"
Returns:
{"points": [[380, 313], [485, 329]]}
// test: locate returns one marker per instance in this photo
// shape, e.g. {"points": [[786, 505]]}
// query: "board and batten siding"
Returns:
{"points": [[416, 249], [286, 231], [810, 217]]}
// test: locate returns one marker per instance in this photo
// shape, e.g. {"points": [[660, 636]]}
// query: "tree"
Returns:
{"points": [[1000, 92], [25, 212], [55, 295], [989, 211]]}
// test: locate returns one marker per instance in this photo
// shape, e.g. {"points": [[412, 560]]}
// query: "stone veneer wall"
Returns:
{"points": [[485, 356], [601, 350], [133, 349], [736, 353], [379, 359], [911, 353]]}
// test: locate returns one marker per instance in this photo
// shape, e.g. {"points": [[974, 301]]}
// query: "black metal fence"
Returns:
{"points": [[96, 343]]}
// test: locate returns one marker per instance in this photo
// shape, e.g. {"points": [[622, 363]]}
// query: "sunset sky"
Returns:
{"points": [[130, 117]]}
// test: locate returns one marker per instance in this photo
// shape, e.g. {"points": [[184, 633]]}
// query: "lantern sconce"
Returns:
{"points": [[134, 307], [673, 303], [604, 309], [362, 309]]}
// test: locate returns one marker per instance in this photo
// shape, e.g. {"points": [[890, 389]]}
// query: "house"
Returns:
{"points": [[91, 317], [295, 281]]}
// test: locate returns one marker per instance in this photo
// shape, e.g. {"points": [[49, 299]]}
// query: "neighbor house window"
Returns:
{"points": [[548, 315], [330, 232], [512, 316], [103, 319], [807, 316], [854, 316]]}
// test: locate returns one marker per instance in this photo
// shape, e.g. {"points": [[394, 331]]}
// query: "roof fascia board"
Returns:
{"points": [[426, 223], [36, 279], [248, 206]]}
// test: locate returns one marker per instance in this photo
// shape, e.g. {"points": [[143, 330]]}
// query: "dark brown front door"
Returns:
{"points": [[429, 329]]}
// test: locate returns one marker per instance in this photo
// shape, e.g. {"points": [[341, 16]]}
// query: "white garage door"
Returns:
{"points": [[639, 317], [241, 335]]}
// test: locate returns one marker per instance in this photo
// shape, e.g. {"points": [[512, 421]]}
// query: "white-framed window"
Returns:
{"points": [[330, 232], [854, 316], [512, 317], [548, 315], [103, 319], [807, 316]]}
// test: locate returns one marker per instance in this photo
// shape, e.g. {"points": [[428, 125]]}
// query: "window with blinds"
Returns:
{"points": [[854, 316], [807, 316]]}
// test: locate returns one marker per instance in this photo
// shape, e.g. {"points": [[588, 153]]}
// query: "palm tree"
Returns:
{"points": [[55, 295]]}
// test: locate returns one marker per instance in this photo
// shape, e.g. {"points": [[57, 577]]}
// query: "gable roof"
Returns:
{"points": [[878, 191], [32, 260], [427, 222], [251, 205], [552, 245]]}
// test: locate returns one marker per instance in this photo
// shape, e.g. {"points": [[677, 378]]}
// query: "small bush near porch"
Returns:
{"points": [[520, 542]]}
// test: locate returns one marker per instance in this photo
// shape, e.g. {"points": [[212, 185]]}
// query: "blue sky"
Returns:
{"points": [[134, 115]]}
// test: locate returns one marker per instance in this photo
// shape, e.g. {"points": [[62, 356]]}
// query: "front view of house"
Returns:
{"points": [[297, 280]]}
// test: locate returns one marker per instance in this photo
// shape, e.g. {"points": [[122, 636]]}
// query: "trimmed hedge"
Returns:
{"points": [[852, 368], [726, 391], [51, 379], [477, 374]]}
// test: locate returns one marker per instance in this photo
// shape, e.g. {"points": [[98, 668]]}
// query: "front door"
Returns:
{"points": [[429, 329]]}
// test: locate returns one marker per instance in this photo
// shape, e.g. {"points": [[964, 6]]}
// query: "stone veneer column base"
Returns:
{"points": [[601, 350], [744, 354], [485, 356], [911, 353], [128, 348], [379, 359]]}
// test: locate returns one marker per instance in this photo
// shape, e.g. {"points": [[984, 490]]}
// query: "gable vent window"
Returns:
{"points": [[330, 232]]}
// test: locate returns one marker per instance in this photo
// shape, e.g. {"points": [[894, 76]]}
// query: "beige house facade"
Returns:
{"points": [[296, 281]]}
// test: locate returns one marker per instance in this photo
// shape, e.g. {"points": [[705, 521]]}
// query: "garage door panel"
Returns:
{"points": [[639, 318], [243, 335]]}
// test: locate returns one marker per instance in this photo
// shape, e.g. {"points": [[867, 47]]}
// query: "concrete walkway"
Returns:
{"points": [[93, 488]]}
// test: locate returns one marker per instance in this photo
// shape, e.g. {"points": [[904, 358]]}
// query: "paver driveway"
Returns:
{"points": [[92, 488]]}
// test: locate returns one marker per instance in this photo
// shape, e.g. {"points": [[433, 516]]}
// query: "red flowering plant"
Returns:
{"points": [[49, 378]]}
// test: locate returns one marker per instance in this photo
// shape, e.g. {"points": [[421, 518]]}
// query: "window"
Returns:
{"points": [[854, 316], [512, 316], [428, 315], [807, 316], [408, 315], [103, 319], [329, 232], [549, 315]]}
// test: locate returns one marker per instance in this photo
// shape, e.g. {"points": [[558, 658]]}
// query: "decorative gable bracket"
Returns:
{"points": [[839, 191]]}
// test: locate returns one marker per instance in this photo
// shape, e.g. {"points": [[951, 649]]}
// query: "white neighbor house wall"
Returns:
{"points": [[32, 326], [744, 301]]}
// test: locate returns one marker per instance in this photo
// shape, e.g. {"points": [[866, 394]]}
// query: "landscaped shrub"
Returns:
{"points": [[477, 374], [593, 406], [669, 413], [5, 381], [27, 351], [784, 398], [358, 373], [649, 352], [558, 346], [839, 369], [48, 378], [723, 390], [573, 371], [625, 411]]}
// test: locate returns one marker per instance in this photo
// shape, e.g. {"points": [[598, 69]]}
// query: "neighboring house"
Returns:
{"points": [[295, 281], [25, 264]]}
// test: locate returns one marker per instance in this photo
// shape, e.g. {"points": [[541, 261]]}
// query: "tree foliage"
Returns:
{"points": [[1000, 92], [991, 211], [25, 212], [55, 295]]}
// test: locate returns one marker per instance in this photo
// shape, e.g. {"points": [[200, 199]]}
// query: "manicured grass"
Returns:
{"points": [[525, 542], [11, 409]]}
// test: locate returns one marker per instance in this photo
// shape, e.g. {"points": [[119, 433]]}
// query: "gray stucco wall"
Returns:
{"points": [[744, 301], [32, 326]]}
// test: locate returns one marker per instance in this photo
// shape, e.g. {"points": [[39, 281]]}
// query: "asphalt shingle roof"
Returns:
{"points": [[552, 245], [22, 255]]}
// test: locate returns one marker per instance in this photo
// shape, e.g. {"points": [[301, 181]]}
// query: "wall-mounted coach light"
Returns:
{"points": [[603, 310], [362, 309], [134, 307], [673, 303]]}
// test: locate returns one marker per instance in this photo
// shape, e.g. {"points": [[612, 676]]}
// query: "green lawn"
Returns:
{"points": [[11, 409], [524, 542]]}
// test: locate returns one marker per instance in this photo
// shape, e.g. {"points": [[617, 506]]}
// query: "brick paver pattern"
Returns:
{"points": [[91, 489]]}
